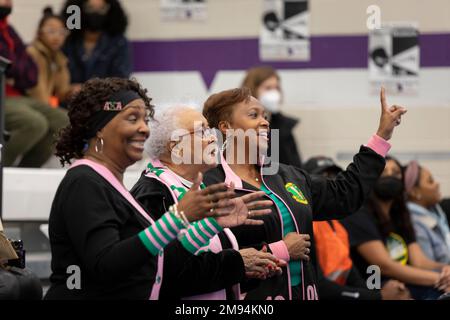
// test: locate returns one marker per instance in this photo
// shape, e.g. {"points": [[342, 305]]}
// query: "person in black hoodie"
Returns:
{"points": [[298, 197], [265, 85]]}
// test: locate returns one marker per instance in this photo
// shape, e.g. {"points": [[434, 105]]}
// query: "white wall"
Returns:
{"points": [[338, 111]]}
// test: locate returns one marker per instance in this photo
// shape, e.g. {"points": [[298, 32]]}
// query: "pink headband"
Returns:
{"points": [[411, 175]]}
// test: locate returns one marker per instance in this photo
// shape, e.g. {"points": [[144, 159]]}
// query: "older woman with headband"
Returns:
{"points": [[104, 244], [172, 173], [298, 197]]}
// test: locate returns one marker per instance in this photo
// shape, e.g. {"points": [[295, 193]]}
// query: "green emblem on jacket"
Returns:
{"points": [[296, 193]]}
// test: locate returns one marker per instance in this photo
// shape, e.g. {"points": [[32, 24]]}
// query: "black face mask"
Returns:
{"points": [[387, 188], [4, 12], [94, 21]]}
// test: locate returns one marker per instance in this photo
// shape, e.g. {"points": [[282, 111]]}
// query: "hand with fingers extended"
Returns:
{"points": [[298, 245], [241, 209], [390, 117], [202, 203], [261, 264]]}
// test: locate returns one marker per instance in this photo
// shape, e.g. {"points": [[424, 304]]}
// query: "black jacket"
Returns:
{"points": [[325, 200], [288, 149], [206, 272], [94, 227]]}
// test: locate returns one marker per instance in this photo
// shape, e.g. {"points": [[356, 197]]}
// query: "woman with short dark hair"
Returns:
{"points": [[298, 197]]}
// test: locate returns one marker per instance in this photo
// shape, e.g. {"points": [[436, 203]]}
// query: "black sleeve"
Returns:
{"points": [[361, 228], [187, 275], [250, 236], [330, 290], [153, 196], [93, 227], [344, 195]]}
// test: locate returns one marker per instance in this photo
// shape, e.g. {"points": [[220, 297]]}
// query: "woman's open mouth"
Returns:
{"points": [[138, 144]]}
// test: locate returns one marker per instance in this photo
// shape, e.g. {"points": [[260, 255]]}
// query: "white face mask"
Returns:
{"points": [[271, 100]]}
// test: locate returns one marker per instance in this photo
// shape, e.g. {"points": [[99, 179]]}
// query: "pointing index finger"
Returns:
{"points": [[384, 105]]}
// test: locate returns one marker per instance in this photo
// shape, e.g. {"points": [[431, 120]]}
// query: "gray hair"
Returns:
{"points": [[165, 122]]}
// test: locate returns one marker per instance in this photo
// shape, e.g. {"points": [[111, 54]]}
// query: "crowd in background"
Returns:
{"points": [[402, 226]]}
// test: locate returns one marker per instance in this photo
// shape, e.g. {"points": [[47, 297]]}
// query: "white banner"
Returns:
{"points": [[284, 32], [183, 10], [394, 58]]}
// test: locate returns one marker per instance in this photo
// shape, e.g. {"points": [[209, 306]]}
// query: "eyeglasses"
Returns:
{"points": [[203, 132]]}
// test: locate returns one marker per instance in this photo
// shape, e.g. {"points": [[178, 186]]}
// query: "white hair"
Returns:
{"points": [[165, 122]]}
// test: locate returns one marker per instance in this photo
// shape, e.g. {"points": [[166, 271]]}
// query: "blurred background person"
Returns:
{"points": [[381, 234], [99, 48], [31, 123], [265, 85], [429, 220], [338, 277], [53, 83], [445, 205]]}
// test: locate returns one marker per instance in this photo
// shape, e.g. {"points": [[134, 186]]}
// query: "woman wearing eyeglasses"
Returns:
{"points": [[53, 85], [181, 147]]}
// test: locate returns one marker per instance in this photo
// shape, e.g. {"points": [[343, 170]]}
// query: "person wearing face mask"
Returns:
{"points": [[429, 220], [338, 278], [99, 48], [381, 234], [31, 123], [264, 84]]}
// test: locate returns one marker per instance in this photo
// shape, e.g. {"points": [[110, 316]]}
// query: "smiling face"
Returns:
{"points": [[392, 170], [250, 117], [125, 134], [193, 140]]}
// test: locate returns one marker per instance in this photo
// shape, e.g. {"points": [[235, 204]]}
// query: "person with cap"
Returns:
{"points": [[338, 277], [104, 244], [429, 220]]}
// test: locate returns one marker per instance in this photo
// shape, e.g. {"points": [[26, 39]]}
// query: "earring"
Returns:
{"points": [[225, 143], [101, 145]]}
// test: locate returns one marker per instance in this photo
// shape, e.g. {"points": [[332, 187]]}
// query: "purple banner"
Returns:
{"points": [[210, 56]]}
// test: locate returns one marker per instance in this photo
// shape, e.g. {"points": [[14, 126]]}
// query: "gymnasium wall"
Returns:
{"points": [[330, 94]]}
